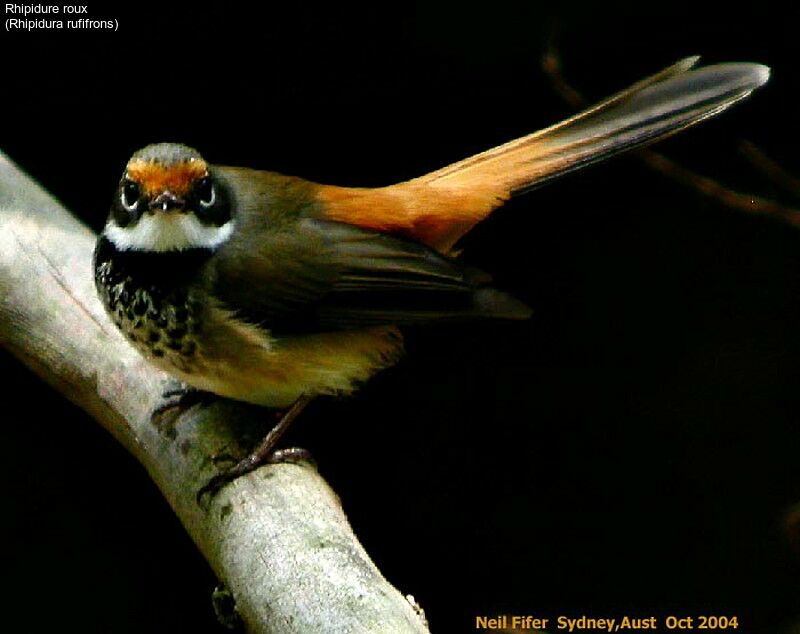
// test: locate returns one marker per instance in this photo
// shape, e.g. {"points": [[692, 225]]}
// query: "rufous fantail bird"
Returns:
{"points": [[272, 289]]}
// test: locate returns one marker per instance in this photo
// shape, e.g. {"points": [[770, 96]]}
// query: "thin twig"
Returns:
{"points": [[711, 188], [775, 172]]}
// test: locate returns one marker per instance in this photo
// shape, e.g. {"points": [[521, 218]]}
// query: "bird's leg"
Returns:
{"points": [[265, 452], [176, 401]]}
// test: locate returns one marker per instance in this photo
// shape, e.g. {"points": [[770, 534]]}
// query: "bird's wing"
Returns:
{"points": [[439, 208], [314, 275]]}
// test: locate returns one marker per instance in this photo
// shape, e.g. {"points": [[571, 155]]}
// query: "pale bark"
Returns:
{"points": [[278, 537]]}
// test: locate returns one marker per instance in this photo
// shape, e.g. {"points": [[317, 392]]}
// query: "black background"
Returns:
{"points": [[630, 450]]}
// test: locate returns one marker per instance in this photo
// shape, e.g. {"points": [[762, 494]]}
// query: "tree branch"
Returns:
{"points": [[277, 537]]}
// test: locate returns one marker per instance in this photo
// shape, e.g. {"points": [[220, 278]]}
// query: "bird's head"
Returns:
{"points": [[168, 200]]}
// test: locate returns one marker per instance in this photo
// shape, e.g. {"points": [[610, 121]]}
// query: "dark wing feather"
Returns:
{"points": [[316, 275]]}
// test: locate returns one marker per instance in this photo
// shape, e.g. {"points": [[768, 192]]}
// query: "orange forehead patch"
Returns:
{"points": [[155, 178]]}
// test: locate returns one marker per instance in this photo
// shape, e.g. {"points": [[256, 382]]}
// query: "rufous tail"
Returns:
{"points": [[440, 207]]}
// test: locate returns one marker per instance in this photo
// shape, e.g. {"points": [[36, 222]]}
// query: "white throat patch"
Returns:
{"points": [[168, 232]]}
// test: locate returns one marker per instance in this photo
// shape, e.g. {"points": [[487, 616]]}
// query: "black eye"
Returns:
{"points": [[206, 194], [130, 195]]}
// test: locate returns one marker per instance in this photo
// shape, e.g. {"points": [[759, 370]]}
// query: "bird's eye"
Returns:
{"points": [[206, 195], [130, 195]]}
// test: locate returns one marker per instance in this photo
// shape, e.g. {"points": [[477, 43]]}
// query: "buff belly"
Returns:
{"points": [[204, 345], [240, 361]]}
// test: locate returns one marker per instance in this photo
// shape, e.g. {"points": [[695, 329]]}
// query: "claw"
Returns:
{"points": [[176, 402], [293, 455], [264, 453]]}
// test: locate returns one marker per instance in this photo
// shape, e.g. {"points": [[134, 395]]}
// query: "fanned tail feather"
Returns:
{"points": [[440, 207]]}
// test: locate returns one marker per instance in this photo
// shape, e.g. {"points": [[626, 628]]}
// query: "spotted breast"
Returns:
{"points": [[161, 303], [152, 300]]}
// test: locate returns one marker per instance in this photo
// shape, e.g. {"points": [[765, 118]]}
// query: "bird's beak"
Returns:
{"points": [[167, 201]]}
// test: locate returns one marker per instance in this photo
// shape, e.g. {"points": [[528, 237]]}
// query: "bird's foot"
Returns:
{"points": [[292, 455], [265, 453], [177, 401]]}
